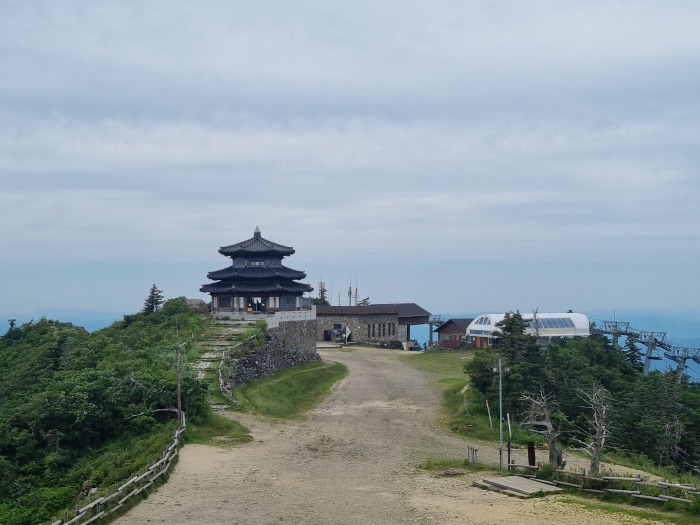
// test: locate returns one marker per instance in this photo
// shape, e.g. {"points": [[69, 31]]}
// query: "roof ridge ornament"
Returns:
{"points": [[256, 233]]}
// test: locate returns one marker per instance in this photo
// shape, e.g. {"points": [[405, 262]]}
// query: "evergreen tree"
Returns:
{"points": [[154, 301], [524, 359], [632, 354], [480, 371]]}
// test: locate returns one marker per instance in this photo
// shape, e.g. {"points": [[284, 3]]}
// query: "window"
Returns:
{"points": [[373, 325], [368, 331]]}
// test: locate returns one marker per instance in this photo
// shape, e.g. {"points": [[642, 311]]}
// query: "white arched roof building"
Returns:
{"points": [[569, 324]]}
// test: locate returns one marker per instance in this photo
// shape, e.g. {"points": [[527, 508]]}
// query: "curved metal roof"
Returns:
{"points": [[566, 324], [256, 245]]}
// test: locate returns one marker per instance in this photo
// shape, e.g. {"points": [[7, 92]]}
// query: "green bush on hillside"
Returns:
{"points": [[67, 394]]}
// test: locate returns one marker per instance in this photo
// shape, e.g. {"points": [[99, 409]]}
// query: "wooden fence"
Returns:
{"points": [[635, 487], [101, 506]]}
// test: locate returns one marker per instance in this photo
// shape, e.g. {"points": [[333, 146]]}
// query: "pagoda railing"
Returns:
{"points": [[292, 315]]}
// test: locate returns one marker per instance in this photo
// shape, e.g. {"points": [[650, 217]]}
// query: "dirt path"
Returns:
{"points": [[351, 461]]}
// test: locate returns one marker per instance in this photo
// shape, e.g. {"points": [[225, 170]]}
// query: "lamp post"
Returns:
{"points": [[500, 415]]}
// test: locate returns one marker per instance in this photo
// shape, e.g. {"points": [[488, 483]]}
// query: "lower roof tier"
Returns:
{"points": [[256, 272], [256, 288]]}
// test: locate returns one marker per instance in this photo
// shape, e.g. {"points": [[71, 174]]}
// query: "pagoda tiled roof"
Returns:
{"points": [[256, 245], [256, 272], [255, 288]]}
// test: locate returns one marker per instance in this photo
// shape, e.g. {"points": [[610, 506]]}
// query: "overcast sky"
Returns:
{"points": [[470, 156]]}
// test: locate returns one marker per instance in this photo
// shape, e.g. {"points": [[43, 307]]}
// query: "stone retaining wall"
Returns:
{"points": [[297, 335], [292, 343]]}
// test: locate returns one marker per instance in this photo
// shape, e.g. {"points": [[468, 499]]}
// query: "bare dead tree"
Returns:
{"points": [[597, 400], [673, 428], [539, 420]]}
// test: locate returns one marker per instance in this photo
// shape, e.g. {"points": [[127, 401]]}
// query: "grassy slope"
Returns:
{"points": [[291, 391]]}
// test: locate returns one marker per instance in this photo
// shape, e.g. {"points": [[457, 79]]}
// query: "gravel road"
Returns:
{"points": [[353, 460]]}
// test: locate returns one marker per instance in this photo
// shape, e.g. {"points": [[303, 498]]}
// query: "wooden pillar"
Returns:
{"points": [[531, 459]]}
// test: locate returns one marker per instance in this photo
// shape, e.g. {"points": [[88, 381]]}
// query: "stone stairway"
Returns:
{"points": [[216, 343]]}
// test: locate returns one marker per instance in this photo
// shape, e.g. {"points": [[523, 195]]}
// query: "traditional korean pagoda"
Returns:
{"points": [[256, 281]]}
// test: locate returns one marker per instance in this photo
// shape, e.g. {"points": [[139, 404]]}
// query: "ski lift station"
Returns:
{"points": [[480, 332]]}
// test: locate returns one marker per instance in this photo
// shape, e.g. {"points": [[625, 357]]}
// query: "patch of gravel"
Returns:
{"points": [[351, 461]]}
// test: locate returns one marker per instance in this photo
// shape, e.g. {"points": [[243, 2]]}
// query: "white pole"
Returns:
{"points": [[500, 414]]}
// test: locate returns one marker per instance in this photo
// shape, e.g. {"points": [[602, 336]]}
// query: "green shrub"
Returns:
{"points": [[546, 471]]}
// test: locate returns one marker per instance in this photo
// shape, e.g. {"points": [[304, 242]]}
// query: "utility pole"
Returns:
{"points": [[179, 379]]}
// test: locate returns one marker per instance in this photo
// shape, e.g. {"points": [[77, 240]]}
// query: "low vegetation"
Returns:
{"points": [[291, 391], [217, 429]]}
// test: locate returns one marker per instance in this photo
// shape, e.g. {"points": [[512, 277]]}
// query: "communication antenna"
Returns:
{"points": [[322, 290]]}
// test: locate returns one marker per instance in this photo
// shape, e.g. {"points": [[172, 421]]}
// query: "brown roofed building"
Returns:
{"points": [[453, 333], [373, 324]]}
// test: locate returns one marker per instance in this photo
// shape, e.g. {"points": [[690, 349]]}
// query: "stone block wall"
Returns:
{"points": [[297, 335], [292, 343], [365, 328]]}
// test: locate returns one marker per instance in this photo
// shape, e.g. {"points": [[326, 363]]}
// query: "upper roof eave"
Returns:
{"points": [[256, 245]]}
